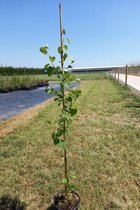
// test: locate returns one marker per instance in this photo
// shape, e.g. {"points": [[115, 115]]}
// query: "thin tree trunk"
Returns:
{"points": [[63, 92]]}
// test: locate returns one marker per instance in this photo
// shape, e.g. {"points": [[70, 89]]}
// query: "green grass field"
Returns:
{"points": [[103, 152], [14, 82]]}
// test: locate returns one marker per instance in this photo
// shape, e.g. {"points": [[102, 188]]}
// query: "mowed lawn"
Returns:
{"points": [[103, 152]]}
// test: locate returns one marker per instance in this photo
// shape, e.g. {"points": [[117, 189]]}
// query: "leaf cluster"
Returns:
{"points": [[66, 115], [64, 96], [51, 68], [67, 101], [69, 182]]}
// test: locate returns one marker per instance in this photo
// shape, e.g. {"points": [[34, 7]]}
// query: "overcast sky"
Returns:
{"points": [[102, 32]]}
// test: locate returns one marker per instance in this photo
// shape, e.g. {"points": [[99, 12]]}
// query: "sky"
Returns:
{"points": [[101, 32]]}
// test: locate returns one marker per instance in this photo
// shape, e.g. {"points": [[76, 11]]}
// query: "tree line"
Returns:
{"points": [[13, 71]]}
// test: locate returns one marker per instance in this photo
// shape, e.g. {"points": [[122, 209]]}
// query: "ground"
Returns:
{"points": [[103, 151]]}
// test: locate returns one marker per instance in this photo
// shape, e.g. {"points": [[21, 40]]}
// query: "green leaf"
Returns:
{"points": [[73, 112], [71, 186], [62, 145], [74, 78], [59, 132], [58, 68], [75, 93], [65, 181], [64, 32], [55, 139], [65, 117], [66, 75], [71, 60], [51, 91], [56, 99], [60, 76], [65, 56], [68, 40], [50, 70], [52, 59], [56, 135], [78, 92], [66, 86], [69, 67], [65, 47], [46, 66], [69, 98], [69, 121], [77, 79], [44, 50], [46, 90], [60, 49]]}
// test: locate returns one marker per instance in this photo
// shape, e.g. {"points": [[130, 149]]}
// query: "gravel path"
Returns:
{"points": [[14, 103]]}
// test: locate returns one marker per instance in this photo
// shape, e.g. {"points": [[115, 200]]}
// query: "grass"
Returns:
{"points": [[14, 82], [86, 76], [11, 81], [8, 83], [103, 152], [29, 81]]}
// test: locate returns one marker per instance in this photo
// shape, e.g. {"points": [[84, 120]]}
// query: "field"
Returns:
{"points": [[29, 81], [103, 151]]}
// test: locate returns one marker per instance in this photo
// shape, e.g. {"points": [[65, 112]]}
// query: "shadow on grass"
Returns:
{"points": [[133, 105], [9, 203]]}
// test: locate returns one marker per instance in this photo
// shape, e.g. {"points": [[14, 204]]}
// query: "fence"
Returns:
{"points": [[123, 76], [124, 72]]}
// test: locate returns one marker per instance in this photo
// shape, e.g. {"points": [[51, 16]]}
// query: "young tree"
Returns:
{"points": [[65, 97]]}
